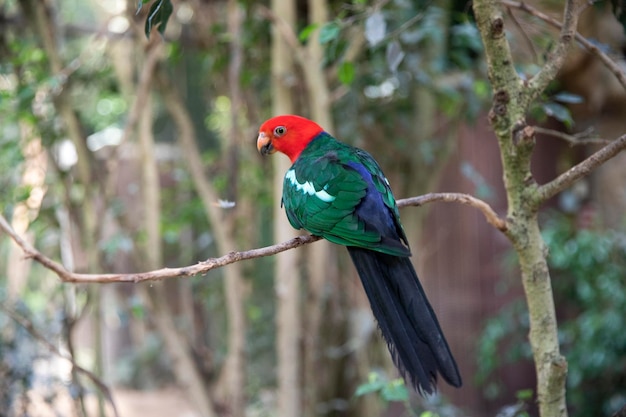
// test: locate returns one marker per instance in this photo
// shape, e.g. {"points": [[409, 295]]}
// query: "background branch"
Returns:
{"points": [[232, 257], [583, 138], [580, 170], [490, 215], [592, 48], [538, 83], [153, 56], [28, 326], [288, 35]]}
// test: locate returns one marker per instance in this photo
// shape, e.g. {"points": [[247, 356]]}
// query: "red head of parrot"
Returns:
{"points": [[288, 134]]}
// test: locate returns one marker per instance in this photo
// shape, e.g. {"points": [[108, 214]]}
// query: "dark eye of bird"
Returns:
{"points": [[279, 131]]}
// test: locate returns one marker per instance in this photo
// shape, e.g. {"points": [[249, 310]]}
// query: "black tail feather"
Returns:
{"points": [[406, 319]]}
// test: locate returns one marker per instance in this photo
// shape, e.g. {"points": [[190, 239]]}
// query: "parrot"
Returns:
{"points": [[339, 192]]}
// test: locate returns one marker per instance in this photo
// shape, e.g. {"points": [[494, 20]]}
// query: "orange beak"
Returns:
{"points": [[264, 144]]}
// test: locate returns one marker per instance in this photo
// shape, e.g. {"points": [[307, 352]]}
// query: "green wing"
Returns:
{"points": [[321, 193]]}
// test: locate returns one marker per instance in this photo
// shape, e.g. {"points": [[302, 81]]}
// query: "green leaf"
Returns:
{"points": [[329, 32], [137, 308], [375, 383], [364, 389], [395, 391], [375, 28], [21, 193], [394, 55], [524, 394], [346, 72], [568, 98], [559, 112], [481, 89], [140, 4], [306, 33], [159, 14]]}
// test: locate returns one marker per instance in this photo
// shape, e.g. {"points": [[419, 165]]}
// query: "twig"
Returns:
{"points": [[153, 56], [288, 35], [142, 93], [403, 27], [581, 138], [527, 39], [26, 324], [490, 215], [538, 83], [232, 257], [593, 49], [580, 170]]}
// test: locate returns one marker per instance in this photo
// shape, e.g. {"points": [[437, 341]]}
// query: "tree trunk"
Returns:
{"points": [[234, 366], [33, 177], [287, 279], [223, 228], [511, 101], [321, 260], [40, 20], [154, 296]]}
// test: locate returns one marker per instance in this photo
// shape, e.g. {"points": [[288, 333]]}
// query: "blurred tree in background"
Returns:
{"points": [[121, 152], [588, 267]]}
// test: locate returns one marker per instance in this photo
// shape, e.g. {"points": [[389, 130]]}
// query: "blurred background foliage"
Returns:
{"points": [[405, 79], [587, 265]]}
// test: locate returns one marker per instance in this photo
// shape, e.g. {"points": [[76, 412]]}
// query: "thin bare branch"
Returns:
{"points": [[288, 35], [527, 39], [156, 275], [402, 28], [232, 257], [591, 47], [28, 326], [153, 56], [490, 215], [580, 170], [582, 138]]}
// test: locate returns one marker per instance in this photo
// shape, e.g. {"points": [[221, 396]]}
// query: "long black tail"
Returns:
{"points": [[406, 319]]}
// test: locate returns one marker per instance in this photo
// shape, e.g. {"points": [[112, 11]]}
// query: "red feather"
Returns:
{"points": [[298, 133]]}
